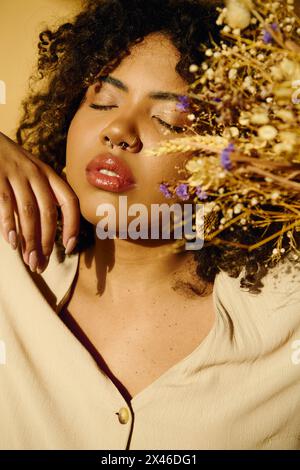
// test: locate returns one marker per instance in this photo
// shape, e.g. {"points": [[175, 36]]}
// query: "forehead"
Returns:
{"points": [[151, 66]]}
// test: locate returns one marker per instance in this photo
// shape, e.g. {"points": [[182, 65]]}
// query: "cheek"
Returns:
{"points": [[80, 141], [152, 172], [169, 168]]}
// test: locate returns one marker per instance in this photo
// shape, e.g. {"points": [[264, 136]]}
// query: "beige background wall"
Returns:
{"points": [[21, 21]]}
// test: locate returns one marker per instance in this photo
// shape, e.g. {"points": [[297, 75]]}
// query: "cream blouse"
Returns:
{"points": [[239, 389]]}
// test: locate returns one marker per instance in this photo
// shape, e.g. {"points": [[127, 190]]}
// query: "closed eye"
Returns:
{"points": [[99, 106], [176, 129], [172, 128]]}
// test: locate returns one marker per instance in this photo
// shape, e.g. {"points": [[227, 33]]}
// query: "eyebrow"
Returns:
{"points": [[157, 95]]}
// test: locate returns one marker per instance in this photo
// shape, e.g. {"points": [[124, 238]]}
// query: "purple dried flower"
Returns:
{"points": [[183, 104], [182, 191], [225, 157], [202, 195], [267, 37], [164, 189], [217, 100]]}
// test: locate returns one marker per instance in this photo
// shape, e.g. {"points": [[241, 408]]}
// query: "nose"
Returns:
{"points": [[117, 137]]}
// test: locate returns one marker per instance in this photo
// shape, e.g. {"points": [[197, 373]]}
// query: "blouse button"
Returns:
{"points": [[123, 415]]}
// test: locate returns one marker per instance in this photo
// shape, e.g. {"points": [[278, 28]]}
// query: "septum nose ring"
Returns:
{"points": [[123, 145]]}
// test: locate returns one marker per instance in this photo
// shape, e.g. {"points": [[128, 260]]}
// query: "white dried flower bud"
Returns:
{"points": [[283, 147], [238, 208], [193, 68], [226, 29], [275, 195], [191, 117], [285, 115], [210, 73], [208, 52], [289, 68], [275, 251], [260, 118], [243, 121], [234, 132], [238, 14], [276, 72], [288, 137], [267, 132], [232, 74]]}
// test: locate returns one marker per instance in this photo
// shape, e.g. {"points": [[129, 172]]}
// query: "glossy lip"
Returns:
{"points": [[122, 182]]}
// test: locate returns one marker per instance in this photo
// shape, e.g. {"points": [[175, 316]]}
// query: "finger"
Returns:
{"points": [[68, 202], [47, 213], [29, 222], [7, 217]]}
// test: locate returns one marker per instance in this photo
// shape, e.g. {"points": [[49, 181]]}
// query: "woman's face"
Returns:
{"points": [[131, 116]]}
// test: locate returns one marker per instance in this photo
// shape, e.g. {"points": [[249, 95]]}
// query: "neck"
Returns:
{"points": [[140, 267]]}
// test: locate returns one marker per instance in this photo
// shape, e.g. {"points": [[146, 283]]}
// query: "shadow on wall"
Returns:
{"points": [[20, 25]]}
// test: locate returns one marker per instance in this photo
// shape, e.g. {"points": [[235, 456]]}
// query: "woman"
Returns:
{"points": [[148, 349]]}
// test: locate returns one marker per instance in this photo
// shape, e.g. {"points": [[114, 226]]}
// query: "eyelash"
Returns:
{"points": [[176, 129]]}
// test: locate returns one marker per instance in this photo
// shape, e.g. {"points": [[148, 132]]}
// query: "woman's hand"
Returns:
{"points": [[32, 190]]}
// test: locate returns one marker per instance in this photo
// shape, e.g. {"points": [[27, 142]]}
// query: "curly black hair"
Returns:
{"points": [[74, 55]]}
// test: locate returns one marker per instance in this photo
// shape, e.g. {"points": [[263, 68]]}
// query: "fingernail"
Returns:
{"points": [[33, 261], [12, 238], [41, 269], [70, 245]]}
